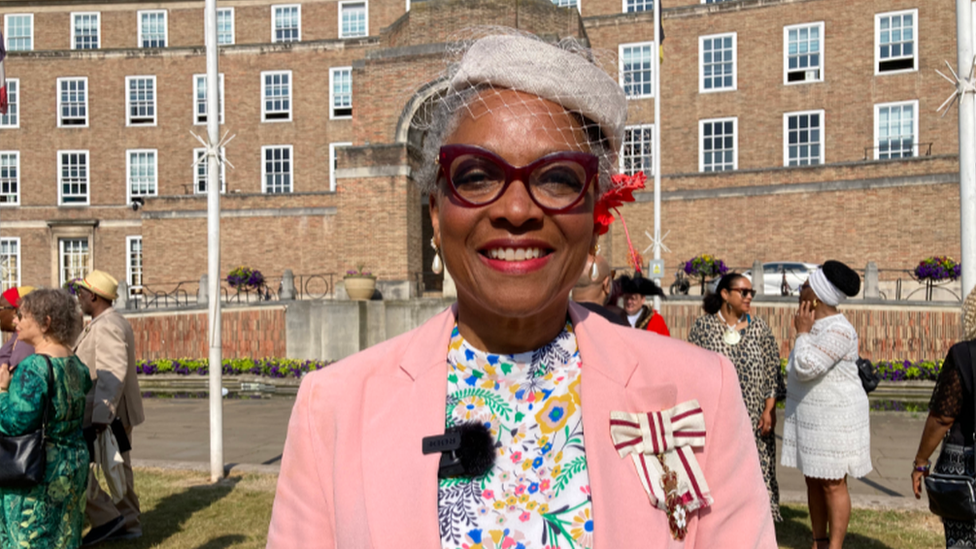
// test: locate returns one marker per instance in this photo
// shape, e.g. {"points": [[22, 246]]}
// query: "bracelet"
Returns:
{"points": [[922, 468]]}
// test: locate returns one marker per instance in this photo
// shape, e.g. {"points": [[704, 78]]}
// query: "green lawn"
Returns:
{"points": [[182, 510]]}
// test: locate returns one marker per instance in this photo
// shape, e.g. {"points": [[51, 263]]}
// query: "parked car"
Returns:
{"points": [[796, 274]]}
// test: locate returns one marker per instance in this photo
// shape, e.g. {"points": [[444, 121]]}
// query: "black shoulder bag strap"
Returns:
{"points": [[46, 416]]}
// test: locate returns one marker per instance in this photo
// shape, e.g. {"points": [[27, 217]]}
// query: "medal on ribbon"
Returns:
{"points": [[661, 447]]}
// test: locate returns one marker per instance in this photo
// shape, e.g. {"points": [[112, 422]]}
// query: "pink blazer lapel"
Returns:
{"points": [[620, 503], [399, 411]]}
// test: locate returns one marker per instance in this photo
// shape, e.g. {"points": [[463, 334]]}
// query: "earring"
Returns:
{"points": [[436, 265], [594, 270]]}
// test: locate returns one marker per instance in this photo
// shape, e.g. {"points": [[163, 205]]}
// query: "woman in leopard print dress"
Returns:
{"points": [[730, 330]]}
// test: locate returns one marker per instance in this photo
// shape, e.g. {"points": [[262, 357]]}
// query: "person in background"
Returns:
{"points": [[729, 329], [13, 351], [952, 412], [592, 291], [639, 314], [50, 515], [827, 431], [107, 346]]}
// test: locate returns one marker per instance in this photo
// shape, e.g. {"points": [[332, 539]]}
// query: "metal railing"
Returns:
{"points": [[184, 294]]}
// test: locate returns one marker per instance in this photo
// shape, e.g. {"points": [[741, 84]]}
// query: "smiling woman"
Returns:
{"points": [[601, 436]]}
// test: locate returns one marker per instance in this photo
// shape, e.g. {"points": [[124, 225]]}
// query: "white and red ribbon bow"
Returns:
{"points": [[668, 436]]}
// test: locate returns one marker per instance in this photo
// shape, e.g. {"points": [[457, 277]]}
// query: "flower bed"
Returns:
{"points": [[268, 367], [902, 370]]}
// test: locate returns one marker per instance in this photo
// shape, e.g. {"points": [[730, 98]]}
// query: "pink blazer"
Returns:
{"points": [[353, 475]]}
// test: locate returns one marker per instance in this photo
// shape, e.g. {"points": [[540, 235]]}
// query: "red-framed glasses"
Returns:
{"points": [[556, 182]]}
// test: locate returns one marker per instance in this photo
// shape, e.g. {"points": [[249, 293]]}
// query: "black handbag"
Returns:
{"points": [[953, 497], [23, 459], [868, 374]]}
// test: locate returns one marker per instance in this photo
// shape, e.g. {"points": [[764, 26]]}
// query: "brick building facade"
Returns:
{"points": [[95, 164]]}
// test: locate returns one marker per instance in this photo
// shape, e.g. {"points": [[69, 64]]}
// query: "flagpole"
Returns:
{"points": [[656, 144], [967, 147], [213, 246]]}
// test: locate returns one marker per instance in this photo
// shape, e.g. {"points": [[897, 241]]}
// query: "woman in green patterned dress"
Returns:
{"points": [[51, 514]]}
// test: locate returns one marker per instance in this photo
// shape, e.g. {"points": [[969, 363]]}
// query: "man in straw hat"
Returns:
{"points": [[13, 351], [107, 346]]}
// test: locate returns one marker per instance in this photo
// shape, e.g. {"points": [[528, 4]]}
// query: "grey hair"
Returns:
{"points": [[58, 305], [447, 116]]}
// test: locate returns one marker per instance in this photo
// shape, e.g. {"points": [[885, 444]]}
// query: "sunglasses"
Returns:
{"points": [[745, 292], [556, 182], [7, 307]]}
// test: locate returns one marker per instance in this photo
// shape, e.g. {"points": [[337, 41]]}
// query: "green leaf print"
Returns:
{"points": [[570, 469], [498, 407], [506, 368]]}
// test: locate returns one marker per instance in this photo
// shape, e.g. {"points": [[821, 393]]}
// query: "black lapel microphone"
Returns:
{"points": [[466, 450]]}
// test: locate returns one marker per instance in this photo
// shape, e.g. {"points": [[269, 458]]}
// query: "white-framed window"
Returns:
{"points": [[141, 167], [277, 169], [9, 263], [73, 178], [276, 96], [200, 171], [896, 41], [803, 138], [637, 153], [286, 23], [11, 120], [86, 28], [718, 144], [896, 130], [353, 19], [631, 6], [9, 178], [73, 102], [717, 60], [334, 162], [567, 3], [803, 53], [635, 69], [18, 30], [140, 100], [73, 258], [340, 92], [225, 26], [152, 29], [133, 264], [200, 98]]}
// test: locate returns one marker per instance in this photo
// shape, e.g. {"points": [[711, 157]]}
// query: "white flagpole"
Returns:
{"points": [[967, 147], [656, 144], [213, 246]]}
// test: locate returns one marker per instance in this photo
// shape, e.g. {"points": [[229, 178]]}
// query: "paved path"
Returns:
{"points": [[176, 433]]}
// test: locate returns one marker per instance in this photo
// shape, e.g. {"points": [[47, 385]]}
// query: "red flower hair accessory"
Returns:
{"points": [[622, 191]]}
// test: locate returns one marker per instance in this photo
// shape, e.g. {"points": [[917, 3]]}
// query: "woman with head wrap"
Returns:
{"points": [[826, 433], [951, 422], [728, 328], [13, 351], [564, 430]]}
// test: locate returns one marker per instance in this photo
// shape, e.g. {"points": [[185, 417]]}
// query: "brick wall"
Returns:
{"points": [[254, 333], [884, 333]]}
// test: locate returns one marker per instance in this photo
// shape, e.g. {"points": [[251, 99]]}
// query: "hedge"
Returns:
{"points": [[268, 367], [902, 370]]}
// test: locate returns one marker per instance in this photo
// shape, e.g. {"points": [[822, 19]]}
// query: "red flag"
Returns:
{"points": [[3, 78]]}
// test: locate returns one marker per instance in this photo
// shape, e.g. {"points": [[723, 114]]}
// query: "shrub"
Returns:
{"points": [[267, 367]]}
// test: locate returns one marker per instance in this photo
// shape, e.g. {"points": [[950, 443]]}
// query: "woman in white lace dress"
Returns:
{"points": [[826, 433]]}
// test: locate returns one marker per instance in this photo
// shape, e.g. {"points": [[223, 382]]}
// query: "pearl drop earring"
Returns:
{"points": [[436, 266]]}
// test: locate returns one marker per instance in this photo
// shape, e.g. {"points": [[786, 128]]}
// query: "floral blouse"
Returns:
{"points": [[537, 494]]}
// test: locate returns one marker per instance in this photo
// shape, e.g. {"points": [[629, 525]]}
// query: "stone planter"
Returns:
{"points": [[361, 288]]}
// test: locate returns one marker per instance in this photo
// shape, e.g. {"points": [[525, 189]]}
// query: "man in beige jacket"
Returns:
{"points": [[107, 347]]}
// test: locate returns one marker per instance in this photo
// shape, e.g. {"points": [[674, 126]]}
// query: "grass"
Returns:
{"points": [[182, 510]]}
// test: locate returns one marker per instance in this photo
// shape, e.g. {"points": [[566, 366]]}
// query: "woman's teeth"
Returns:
{"points": [[514, 254]]}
